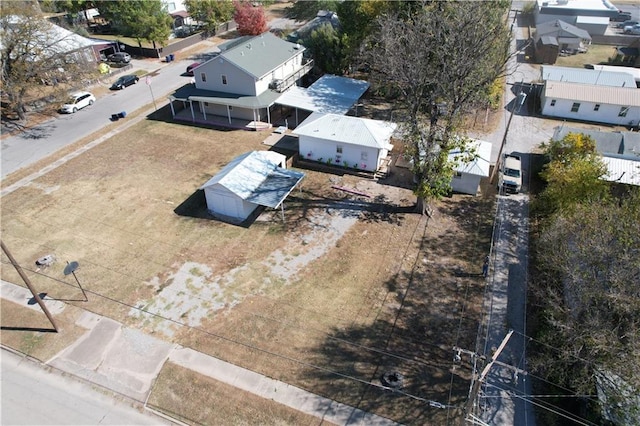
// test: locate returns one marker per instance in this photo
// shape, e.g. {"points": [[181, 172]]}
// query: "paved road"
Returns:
{"points": [[32, 395], [45, 139]]}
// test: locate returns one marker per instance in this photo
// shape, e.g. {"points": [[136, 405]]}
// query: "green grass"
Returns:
{"points": [[595, 55]]}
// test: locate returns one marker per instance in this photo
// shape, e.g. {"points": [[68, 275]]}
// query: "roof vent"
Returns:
{"points": [[248, 45], [296, 46]]}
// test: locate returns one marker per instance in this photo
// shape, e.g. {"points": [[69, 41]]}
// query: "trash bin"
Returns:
{"points": [[171, 57], [167, 58], [115, 117], [122, 114]]}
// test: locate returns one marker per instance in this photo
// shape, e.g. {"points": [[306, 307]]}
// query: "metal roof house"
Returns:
{"points": [[242, 82], [620, 152], [253, 179], [467, 175], [589, 102], [587, 76], [589, 15], [354, 142]]}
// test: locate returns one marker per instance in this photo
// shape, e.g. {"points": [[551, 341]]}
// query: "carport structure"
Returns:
{"points": [[257, 178], [330, 94]]}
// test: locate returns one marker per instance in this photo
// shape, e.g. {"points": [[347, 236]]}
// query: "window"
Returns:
{"points": [[206, 104], [363, 155], [230, 107], [203, 76], [224, 79], [575, 107], [339, 149], [596, 107], [623, 111], [553, 102], [458, 175]]}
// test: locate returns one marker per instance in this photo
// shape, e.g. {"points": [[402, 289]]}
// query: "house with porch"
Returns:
{"points": [[242, 83]]}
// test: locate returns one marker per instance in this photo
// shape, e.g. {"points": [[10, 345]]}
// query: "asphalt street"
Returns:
{"points": [[48, 137], [32, 395]]}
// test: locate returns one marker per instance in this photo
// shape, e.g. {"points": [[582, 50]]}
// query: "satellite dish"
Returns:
{"points": [[71, 267]]}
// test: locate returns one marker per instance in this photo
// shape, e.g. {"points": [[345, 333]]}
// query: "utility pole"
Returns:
{"points": [[477, 381], [519, 101], [28, 283]]}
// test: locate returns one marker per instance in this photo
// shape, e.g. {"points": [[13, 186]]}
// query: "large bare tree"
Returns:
{"points": [[34, 51], [440, 58]]}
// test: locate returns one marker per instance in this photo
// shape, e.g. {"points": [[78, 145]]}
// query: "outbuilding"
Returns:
{"points": [[469, 171], [253, 179]]}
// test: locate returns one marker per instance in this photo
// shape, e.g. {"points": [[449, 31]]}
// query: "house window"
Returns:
{"points": [[363, 155], [575, 107], [596, 107], [553, 102], [458, 175], [230, 107], [623, 111], [206, 104], [203, 76], [224, 79], [339, 149]]}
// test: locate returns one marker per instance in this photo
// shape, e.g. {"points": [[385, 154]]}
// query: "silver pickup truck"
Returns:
{"points": [[510, 177]]}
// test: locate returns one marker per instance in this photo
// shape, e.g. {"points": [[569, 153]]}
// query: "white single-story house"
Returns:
{"points": [[466, 179], [588, 102], [257, 178], [348, 141], [610, 77]]}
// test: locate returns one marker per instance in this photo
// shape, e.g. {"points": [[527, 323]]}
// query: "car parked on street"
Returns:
{"points": [[191, 67], [124, 81], [622, 16], [627, 24], [119, 57], [77, 101], [633, 29]]}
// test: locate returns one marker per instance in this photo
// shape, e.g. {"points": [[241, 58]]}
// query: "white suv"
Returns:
{"points": [[78, 101]]}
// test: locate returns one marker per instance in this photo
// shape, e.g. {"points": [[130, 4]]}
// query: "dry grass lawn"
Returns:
{"points": [[348, 288]]}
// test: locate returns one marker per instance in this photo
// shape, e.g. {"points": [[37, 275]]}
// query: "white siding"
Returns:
{"points": [[465, 183], [606, 113], [223, 202], [237, 80], [351, 154]]}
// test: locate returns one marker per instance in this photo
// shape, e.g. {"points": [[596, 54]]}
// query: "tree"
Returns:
{"points": [[441, 58], [573, 173], [210, 13], [34, 51], [307, 10], [250, 19], [140, 19], [588, 274], [326, 46]]}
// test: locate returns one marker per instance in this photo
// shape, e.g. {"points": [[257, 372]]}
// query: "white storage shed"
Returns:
{"points": [[466, 179]]}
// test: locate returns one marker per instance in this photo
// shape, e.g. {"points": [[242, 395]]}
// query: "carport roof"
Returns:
{"points": [[329, 94], [257, 178]]}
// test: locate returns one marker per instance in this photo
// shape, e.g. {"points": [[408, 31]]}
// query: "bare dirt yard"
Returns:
{"points": [[348, 288]]}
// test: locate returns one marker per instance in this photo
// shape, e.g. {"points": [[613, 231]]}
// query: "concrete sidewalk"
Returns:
{"points": [[126, 361]]}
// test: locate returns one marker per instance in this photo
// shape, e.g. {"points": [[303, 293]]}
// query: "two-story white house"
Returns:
{"points": [[243, 82]]}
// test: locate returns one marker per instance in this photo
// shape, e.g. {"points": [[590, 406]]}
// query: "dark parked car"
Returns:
{"points": [[122, 57], [124, 81], [627, 23], [622, 16], [191, 67]]}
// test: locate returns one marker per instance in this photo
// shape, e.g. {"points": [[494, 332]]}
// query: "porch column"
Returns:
{"points": [[193, 116], [228, 114], [268, 115], [204, 113], [173, 112]]}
